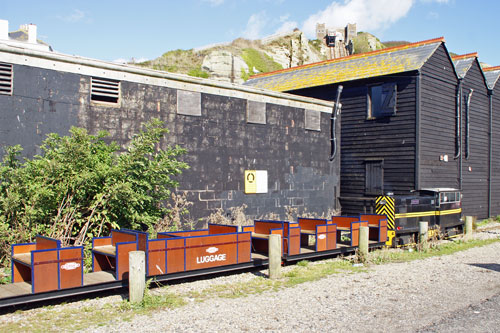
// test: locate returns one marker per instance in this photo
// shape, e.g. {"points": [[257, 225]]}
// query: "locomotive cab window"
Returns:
{"points": [[449, 197], [381, 100]]}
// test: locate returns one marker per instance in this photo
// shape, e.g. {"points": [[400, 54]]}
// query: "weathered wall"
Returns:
{"points": [[221, 144]]}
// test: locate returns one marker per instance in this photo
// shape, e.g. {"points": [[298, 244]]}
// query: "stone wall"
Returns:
{"points": [[221, 138]]}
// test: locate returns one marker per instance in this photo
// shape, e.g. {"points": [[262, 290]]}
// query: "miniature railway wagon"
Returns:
{"points": [[46, 265]]}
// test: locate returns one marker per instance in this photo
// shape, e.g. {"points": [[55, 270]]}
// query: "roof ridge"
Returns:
{"points": [[492, 68], [354, 56], [465, 56]]}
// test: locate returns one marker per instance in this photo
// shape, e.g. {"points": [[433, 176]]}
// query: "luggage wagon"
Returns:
{"points": [[440, 207]]}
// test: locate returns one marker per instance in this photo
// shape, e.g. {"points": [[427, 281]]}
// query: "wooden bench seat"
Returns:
{"points": [[111, 253], [25, 258], [324, 232], [262, 229], [47, 265], [106, 249], [257, 235], [378, 226]]}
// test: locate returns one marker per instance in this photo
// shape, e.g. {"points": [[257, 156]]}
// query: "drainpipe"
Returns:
{"points": [[460, 176], [490, 148], [458, 122], [467, 124], [418, 109], [333, 124]]}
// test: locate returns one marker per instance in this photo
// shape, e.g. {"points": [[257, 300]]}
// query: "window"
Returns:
{"points": [[449, 197], [381, 100], [104, 90], [5, 79], [374, 177]]}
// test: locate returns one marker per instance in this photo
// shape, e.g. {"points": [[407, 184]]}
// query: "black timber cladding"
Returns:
{"points": [[417, 149], [389, 139], [475, 142], [495, 181], [221, 143], [437, 123]]}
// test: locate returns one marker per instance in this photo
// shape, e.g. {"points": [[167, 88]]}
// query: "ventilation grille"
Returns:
{"points": [[104, 90], [5, 79]]}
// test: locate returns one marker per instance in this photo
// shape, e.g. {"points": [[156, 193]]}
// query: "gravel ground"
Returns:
{"points": [[428, 295]]}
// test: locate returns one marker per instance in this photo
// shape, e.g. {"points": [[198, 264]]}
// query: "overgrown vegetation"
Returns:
{"points": [[316, 44], [80, 187], [259, 61], [178, 61], [365, 42], [198, 72]]}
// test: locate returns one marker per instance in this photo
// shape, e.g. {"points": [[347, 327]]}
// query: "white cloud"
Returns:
{"points": [[75, 17], [255, 25], [287, 27], [369, 15], [214, 3]]}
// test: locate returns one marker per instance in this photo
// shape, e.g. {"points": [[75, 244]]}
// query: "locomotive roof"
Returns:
{"points": [[440, 189], [403, 58]]}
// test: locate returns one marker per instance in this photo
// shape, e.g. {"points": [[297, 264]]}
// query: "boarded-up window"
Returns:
{"points": [[256, 112], [5, 79], [312, 120], [104, 90], [374, 177], [188, 103], [382, 100]]}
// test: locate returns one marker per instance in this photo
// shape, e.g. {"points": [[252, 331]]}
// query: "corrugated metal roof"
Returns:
{"points": [[393, 60], [492, 74], [463, 63]]}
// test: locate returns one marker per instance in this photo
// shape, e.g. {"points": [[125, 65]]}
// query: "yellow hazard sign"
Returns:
{"points": [[255, 181]]}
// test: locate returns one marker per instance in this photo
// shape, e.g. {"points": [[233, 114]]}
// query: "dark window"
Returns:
{"points": [[104, 90], [374, 177], [382, 100], [5, 79]]}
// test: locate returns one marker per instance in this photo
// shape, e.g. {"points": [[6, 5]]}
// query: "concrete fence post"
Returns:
{"points": [[137, 276], [274, 256], [363, 241], [468, 227], [423, 234]]}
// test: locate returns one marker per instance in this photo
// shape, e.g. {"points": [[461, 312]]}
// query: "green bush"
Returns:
{"points": [[198, 72], [80, 187]]}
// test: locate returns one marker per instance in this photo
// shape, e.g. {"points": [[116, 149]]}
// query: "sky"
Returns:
{"points": [[121, 30]]}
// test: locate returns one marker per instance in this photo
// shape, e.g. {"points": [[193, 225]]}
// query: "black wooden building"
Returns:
{"points": [[400, 118], [475, 143], [226, 129], [492, 75]]}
